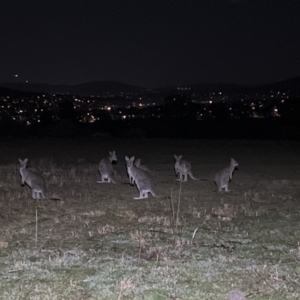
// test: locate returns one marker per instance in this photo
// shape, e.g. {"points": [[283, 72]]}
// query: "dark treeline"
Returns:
{"points": [[182, 127]]}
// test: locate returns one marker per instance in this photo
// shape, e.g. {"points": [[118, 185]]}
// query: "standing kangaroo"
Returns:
{"points": [[183, 168], [137, 164], [34, 180], [106, 169], [141, 178], [223, 177]]}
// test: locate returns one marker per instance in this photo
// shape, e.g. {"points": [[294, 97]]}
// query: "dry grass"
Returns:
{"points": [[189, 243]]}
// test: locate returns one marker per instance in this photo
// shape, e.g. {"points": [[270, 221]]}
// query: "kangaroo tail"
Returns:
{"points": [[192, 176]]}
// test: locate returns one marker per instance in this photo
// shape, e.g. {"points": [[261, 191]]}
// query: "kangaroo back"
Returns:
{"points": [[137, 163]]}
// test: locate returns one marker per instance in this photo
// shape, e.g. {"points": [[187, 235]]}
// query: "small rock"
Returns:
{"points": [[236, 295]]}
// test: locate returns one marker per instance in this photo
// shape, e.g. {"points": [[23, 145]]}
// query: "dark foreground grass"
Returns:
{"points": [[189, 243]]}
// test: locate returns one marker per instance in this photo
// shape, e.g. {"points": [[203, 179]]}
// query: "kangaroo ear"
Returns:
{"points": [[132, 158], [126, 158]]}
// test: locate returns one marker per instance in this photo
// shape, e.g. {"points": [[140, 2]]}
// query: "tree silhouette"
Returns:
{"points": [[66, 111]]}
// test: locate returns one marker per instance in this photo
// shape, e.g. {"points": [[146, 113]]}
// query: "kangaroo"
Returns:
{"points": [[106, 169], [223, 177], [137, 163], [34, 180], [141, 178], [35, 169], [183, 168]]}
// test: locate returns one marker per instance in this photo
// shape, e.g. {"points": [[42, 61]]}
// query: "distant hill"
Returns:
{"points": [[84, 89], [15, 93], [116, 88], [292, 85]]}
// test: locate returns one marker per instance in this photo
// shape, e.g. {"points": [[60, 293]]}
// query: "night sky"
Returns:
{"points": [[149, 43]]}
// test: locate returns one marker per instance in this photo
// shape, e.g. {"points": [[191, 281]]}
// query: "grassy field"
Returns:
{"points": [[189, 243]]}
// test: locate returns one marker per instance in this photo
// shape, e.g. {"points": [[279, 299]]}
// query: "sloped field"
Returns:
{"points": [[189, 243]]}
